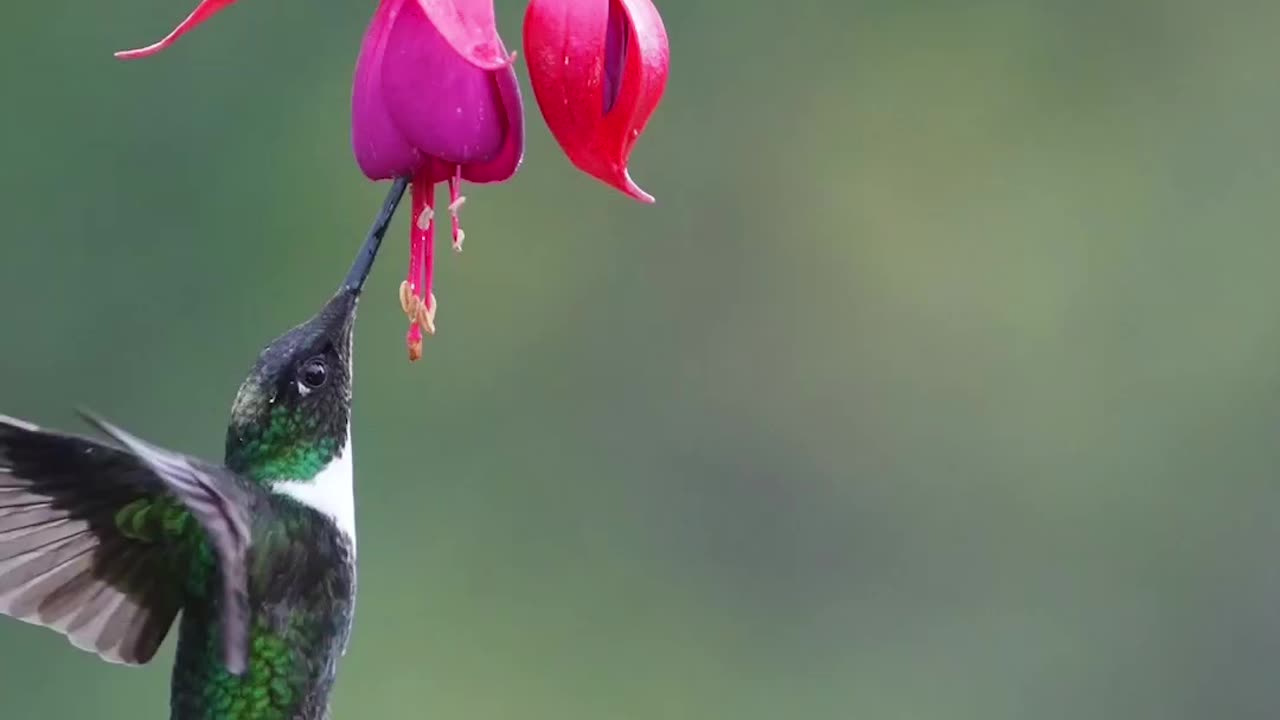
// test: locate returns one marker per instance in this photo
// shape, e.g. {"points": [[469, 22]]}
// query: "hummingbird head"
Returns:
{"points": [[290, 422], [290, 418]]}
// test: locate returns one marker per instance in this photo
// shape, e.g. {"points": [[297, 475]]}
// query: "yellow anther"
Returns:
{"points": [[408, 302], [426, 315]]}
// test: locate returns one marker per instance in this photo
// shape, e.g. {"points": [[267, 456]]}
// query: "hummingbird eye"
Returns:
{"points": [[313, 374]]}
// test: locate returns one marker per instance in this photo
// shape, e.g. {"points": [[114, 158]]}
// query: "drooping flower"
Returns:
{"points": [[435, 99], [425, 108], [599, 68]]}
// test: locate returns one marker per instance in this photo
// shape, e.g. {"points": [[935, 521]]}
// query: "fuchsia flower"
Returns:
{"points": [[435, 98], [599, 68]]}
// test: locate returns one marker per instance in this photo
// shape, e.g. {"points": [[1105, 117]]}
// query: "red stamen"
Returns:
{"points": [[455, 204], [415, 295], [427, 310]]}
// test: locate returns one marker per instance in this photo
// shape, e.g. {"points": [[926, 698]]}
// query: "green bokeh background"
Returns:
{"points": [[942, 382]]}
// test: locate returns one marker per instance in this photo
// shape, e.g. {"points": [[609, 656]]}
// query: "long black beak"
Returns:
{"points": [[364, 260]]}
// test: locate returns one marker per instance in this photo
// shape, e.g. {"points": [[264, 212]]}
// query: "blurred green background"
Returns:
{"points": [[942, 382]]}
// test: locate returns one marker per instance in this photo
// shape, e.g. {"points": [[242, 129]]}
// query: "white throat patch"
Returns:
{"points": [[331, 492]]}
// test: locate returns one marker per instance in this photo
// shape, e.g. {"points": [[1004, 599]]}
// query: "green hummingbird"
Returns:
{"points": [[106, 543]]}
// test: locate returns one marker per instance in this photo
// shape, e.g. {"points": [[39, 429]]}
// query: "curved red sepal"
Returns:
{"points": [[470, 29], [205, 10], [597, 92]]}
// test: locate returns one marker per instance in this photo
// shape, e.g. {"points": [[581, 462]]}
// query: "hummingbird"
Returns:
{"points": [[107, 541]]}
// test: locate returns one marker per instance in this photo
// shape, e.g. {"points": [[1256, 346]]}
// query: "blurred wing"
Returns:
{"points": [[64, 562], [219, 501]]}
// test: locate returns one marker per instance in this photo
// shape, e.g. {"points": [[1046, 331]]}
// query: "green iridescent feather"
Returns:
{"points": [[164, 521], [271, 450]]}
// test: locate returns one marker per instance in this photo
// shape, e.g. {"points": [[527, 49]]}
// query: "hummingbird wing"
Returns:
{"points": [[64, 563], [70, 560], [219, 500]]}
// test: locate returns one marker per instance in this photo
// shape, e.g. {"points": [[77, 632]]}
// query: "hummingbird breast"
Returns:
{"points": [[302, 594]]}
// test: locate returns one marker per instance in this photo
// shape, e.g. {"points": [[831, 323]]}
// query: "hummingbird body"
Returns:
{"points": [[107, 543], [293, 441], [301, 598]]}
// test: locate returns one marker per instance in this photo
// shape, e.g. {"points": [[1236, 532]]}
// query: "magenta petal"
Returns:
{"points": [[468, 26], [442, 104], [381, 151], [616, 37], [508, 159]]}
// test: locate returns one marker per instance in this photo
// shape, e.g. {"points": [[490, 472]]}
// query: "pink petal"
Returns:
{"points": [[469, 27], [507, 161], [380, 149], [442, 104]]}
